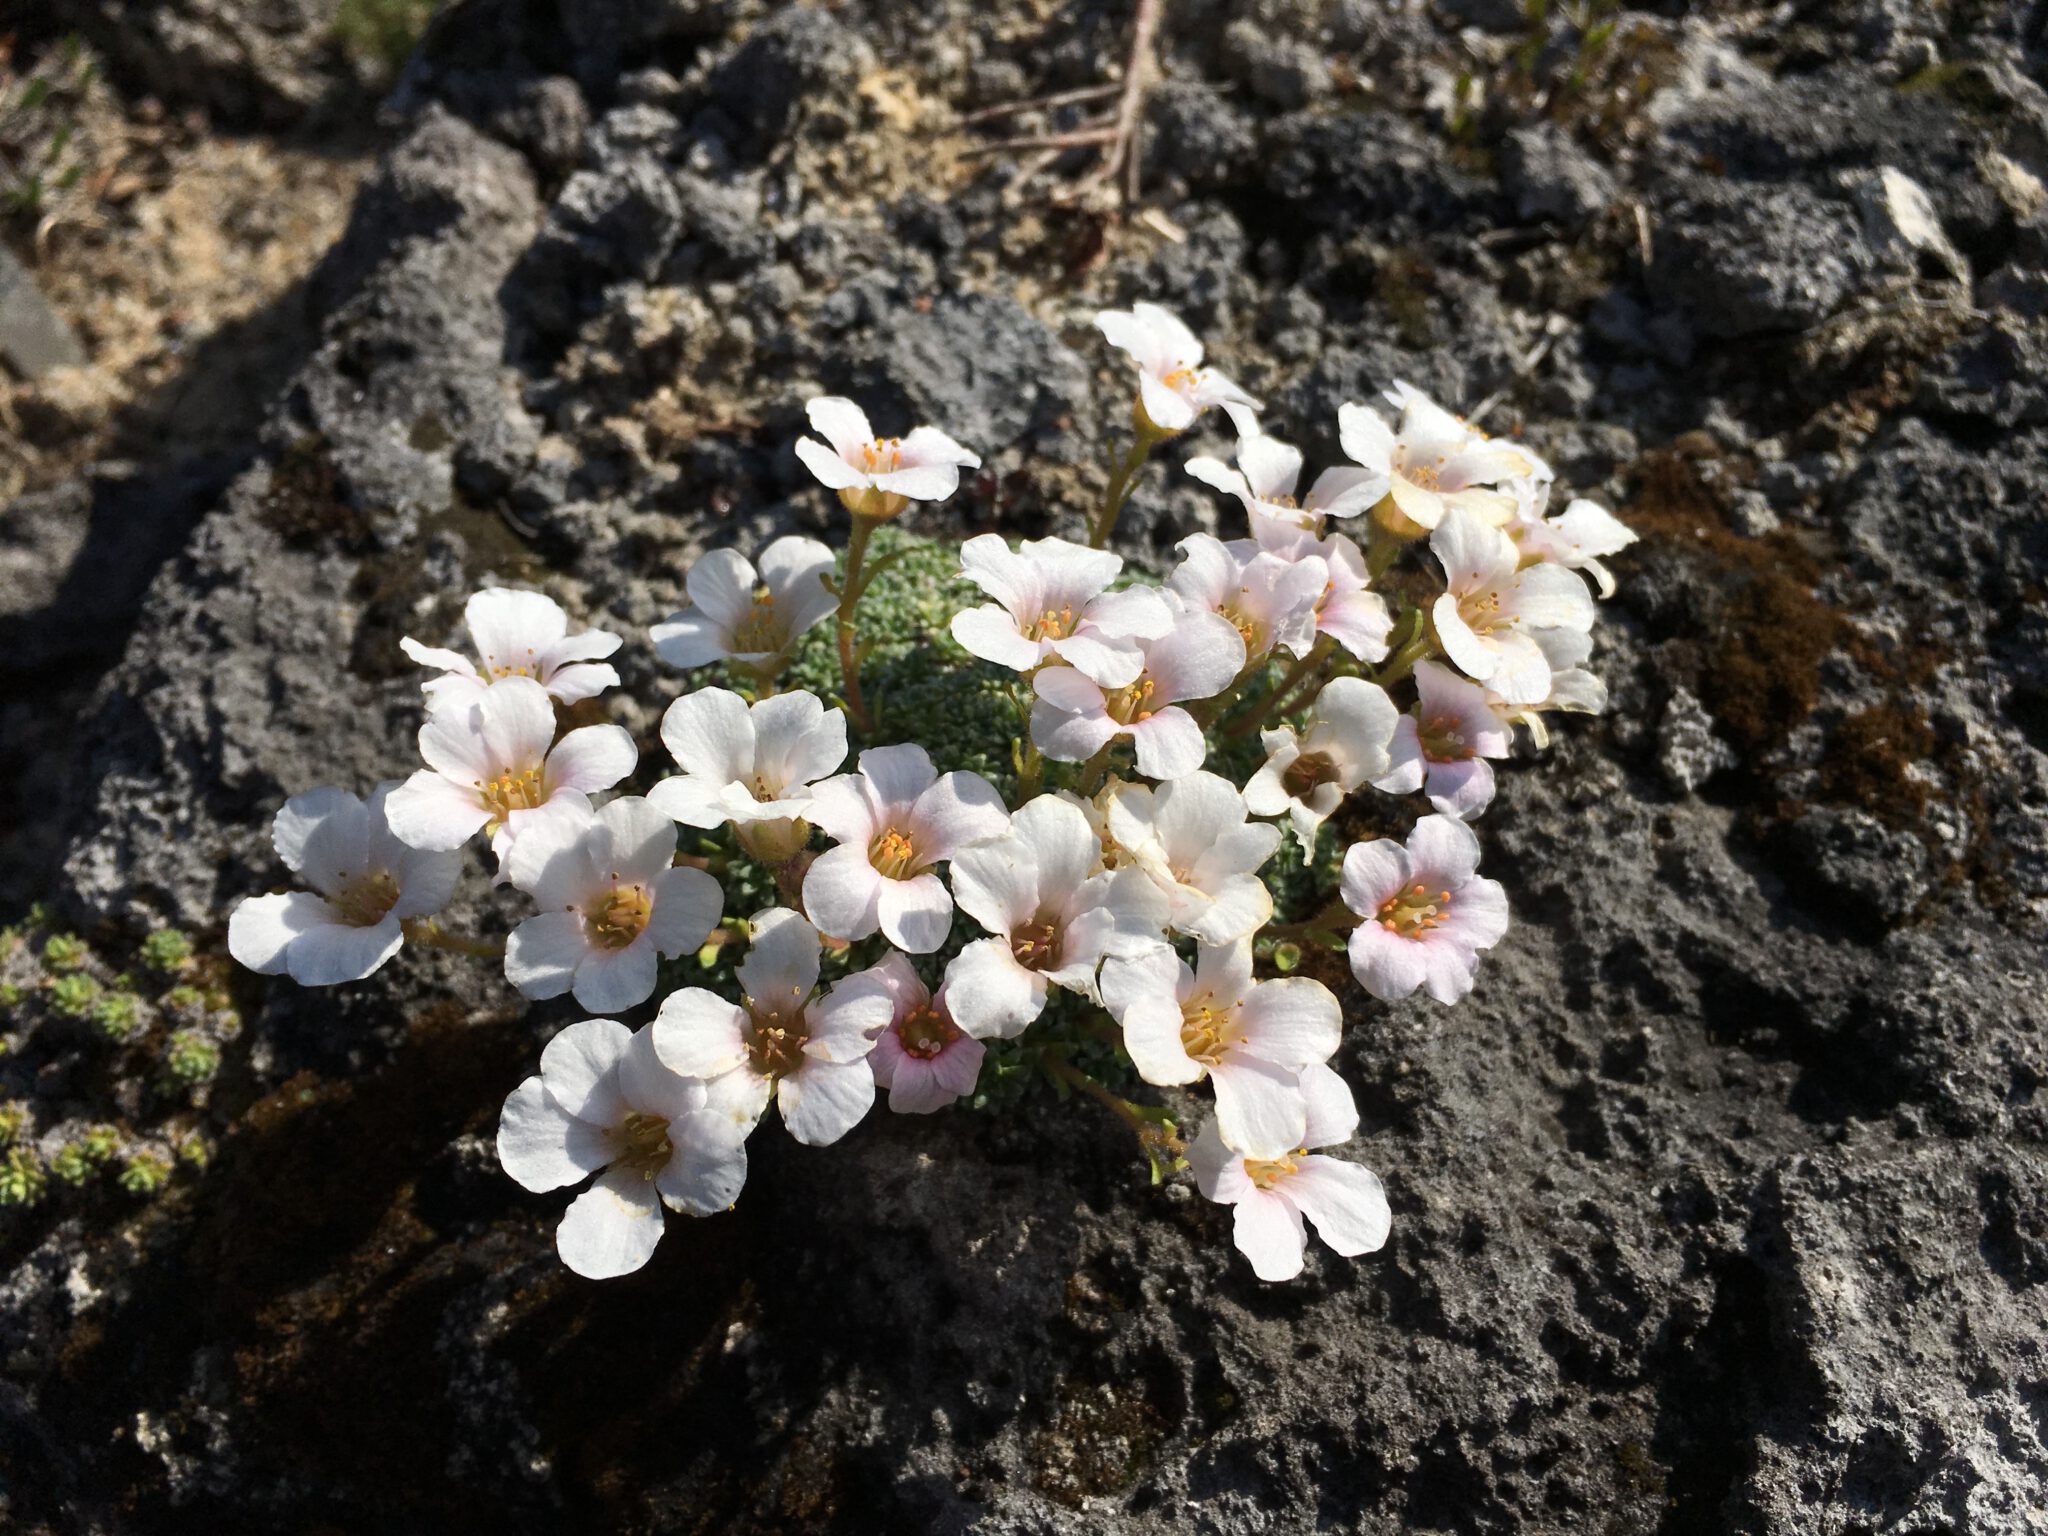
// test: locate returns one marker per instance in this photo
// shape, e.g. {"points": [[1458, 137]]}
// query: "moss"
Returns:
{"points": [[304, 500], [145, 1173], [118, 1015], [73, 997], [22, 1177], [1869, 760], [379, 35], [167, 951], [63, 952], [190, 1058]]}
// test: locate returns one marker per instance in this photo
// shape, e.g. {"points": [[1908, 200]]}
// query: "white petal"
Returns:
{"points": [[721, 584], [542, 953], [830, 468], [897, 775], [1260, 1111], [1267, 1230], [797, 741], [959, 811], [1332, 1112], [1386, 965], [612, 1227], [840, 422], [333, 953], [782, 953], [1152, 1036], [990, 994], [1292, 1022], [699, 1034], [689, 639], [687, 906], [822, 1100], [301, 816], [710, 735], [542, 1146], [1169, 745], [795, 569], [1345, 1201], [263, 928], [708, 1167], [1373, 871], [581, 1069], [990, 633], [843, 892], [591, 759], [613, 980], [915, 914]]}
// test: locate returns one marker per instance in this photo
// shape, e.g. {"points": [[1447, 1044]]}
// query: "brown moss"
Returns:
{"points": [[1870, 759], [304, 500], [1100, 1442]]}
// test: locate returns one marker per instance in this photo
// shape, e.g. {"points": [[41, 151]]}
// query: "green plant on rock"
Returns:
{"points": [[13, 1116], [73, 997], [381, 34], [190, 1058], [64, 952], [183, 1000], [118, 1015], [167, 951], [22, 1177], [145, 1173]]}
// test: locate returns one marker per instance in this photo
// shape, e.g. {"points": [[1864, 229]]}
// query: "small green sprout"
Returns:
{"points": [[73, 997], [101, 1142], [22, 1180], [10, 996], [64, 952], [191, 1058], [13, 1116], [167, 950], [118, 1015], [71, 1165], [184, 1000], [195, 1150], [145, 1173]]}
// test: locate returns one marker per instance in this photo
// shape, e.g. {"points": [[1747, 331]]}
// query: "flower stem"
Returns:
{"points": [[1158, 1137], [429, 934], [1333, 919], [1122, 477], [1419, 648], [1094, 771], [1309, 667], [850, 591]]}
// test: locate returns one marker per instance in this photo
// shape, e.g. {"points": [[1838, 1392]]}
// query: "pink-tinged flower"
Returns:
{"points": [[1427, 911], [1054, 912], [1572, 688], [1251, 1039], [922, 1057], [1487, 617], [1075, 717], [808, 1053], [367, 883], [1264, 481], [1270, 1196], [1350, 612], [1268, 600], [1052, 604], [1432, 462], [752, 620], [610, 902], [894, 821], [1344, 743], [493, 762], [751, 765], [603, 1101], [520, 634], [876, 477], [1192, 838], [1578, 538], [1173, 386], [1443, 747]]}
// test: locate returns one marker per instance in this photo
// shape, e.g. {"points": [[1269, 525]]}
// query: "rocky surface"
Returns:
{"points": [[1720, 1207]]}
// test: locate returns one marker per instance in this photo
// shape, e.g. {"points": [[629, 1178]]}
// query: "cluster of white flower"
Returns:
{"points": [[1129, 878]]}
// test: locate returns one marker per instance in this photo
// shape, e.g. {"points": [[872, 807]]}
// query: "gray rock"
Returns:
{"points": [[1901, 227], [1551, 177], [34, 338], [1878, 871], [1688, 751], [1750, 259]]}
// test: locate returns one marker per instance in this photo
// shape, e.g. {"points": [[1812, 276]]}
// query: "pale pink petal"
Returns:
{"points": [[1373, 871], [1260, 1111], [1387, 965], [958, 812], [1346, 1202]]}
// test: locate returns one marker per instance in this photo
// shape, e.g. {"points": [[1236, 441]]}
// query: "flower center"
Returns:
{"points": [[894, 855], [1128, 706], [926, 1031], [883, 456], [1266, 1172], [1481, 611], [1309, 773], [1036, 945], [364, 901], [1052, 625], [1412, 913], [644, 1145], [528, 668], [1246, 625], [776, 1034], [1427, 477], [1442, 740], [1183, 380], [621, 917], [760, 630], [513, 790], [1205, 1032]]}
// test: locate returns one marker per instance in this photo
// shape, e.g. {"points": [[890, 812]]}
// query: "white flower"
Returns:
{"points": [[1173, 386], [1427, 912], [611, 902], [893, 821], [1269, 600], [751, 620], [1251, 1039], [752, 765], [1074, 717], [1572, 687], [1267, 473], [520, 634], [1344, 743], [1441, 749], [1051, 603], [1432, 463], [1192, 838], [1492, 603], [494, 761], [1578, 538], [1270, 1196], [922, 1056], [1054, 913], [1350, 612], [874, 476], [368, 883], [604, 1101], [809, 1054]]}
